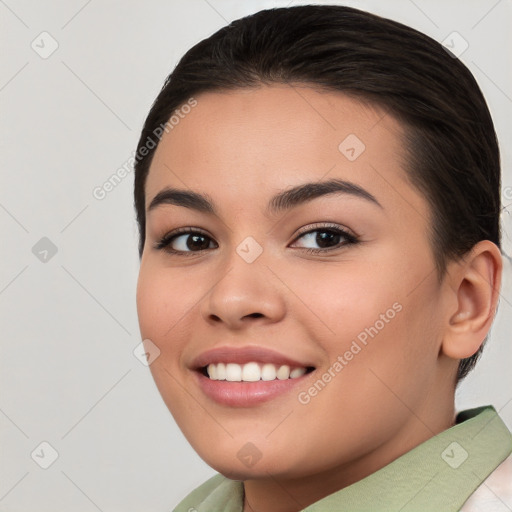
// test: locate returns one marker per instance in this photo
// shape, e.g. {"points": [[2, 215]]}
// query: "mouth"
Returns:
{"points": [[245, 376], [253, 371]]}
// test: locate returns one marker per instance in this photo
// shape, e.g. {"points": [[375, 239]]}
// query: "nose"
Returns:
{"points": [[246, 293]]}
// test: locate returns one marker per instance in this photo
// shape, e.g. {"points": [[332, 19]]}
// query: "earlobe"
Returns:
{"points": [[476, 283]]}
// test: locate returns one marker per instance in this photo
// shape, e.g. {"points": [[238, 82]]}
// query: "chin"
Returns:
{"points": [[242, 467]]}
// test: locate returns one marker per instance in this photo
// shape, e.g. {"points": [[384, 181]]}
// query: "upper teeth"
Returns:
{"points": [[252, 372]]}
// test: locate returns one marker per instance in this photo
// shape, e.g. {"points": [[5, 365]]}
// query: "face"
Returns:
{"points": [[324, 301]]}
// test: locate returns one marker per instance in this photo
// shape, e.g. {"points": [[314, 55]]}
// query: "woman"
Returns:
{"points": [[318, 197]]}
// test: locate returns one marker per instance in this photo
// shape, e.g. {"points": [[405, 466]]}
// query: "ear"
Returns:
{"points": [[476, 281]]}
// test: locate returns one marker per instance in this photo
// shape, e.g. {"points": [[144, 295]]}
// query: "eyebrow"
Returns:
{"points": [[282, 201]]}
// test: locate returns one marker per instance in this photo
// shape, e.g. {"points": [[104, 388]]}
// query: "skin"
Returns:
{"points": [[241, 147]]}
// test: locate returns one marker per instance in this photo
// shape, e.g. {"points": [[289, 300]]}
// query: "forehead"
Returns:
{"points": [[255, 141]]}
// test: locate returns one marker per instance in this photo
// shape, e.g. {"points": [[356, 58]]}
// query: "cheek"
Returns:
{"points": [[168, 302], [163, 298], [151, 302], [162, 312], [161, 309], [371, 305], [341, 299]]}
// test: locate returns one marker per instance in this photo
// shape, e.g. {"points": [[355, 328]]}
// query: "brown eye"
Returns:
{"points": [[185, 242], [324, 239], [194, 242]]}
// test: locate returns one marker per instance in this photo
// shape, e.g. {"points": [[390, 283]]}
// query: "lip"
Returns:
{"points": [[242, 355], [246, 394]]}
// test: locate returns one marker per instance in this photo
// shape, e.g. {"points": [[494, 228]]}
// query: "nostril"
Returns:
{"points": [[255, 315]]}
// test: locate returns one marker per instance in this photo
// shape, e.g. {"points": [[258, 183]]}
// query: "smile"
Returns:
{"points": [[245, 376], [253, 372]]}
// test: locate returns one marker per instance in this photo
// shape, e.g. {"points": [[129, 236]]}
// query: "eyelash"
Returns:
{"points": [[165, 241]]}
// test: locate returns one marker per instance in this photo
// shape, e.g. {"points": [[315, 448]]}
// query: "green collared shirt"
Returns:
{"points": [[438, 475]]}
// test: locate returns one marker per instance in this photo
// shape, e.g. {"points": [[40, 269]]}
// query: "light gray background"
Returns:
{"points": [[69, 325]]}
